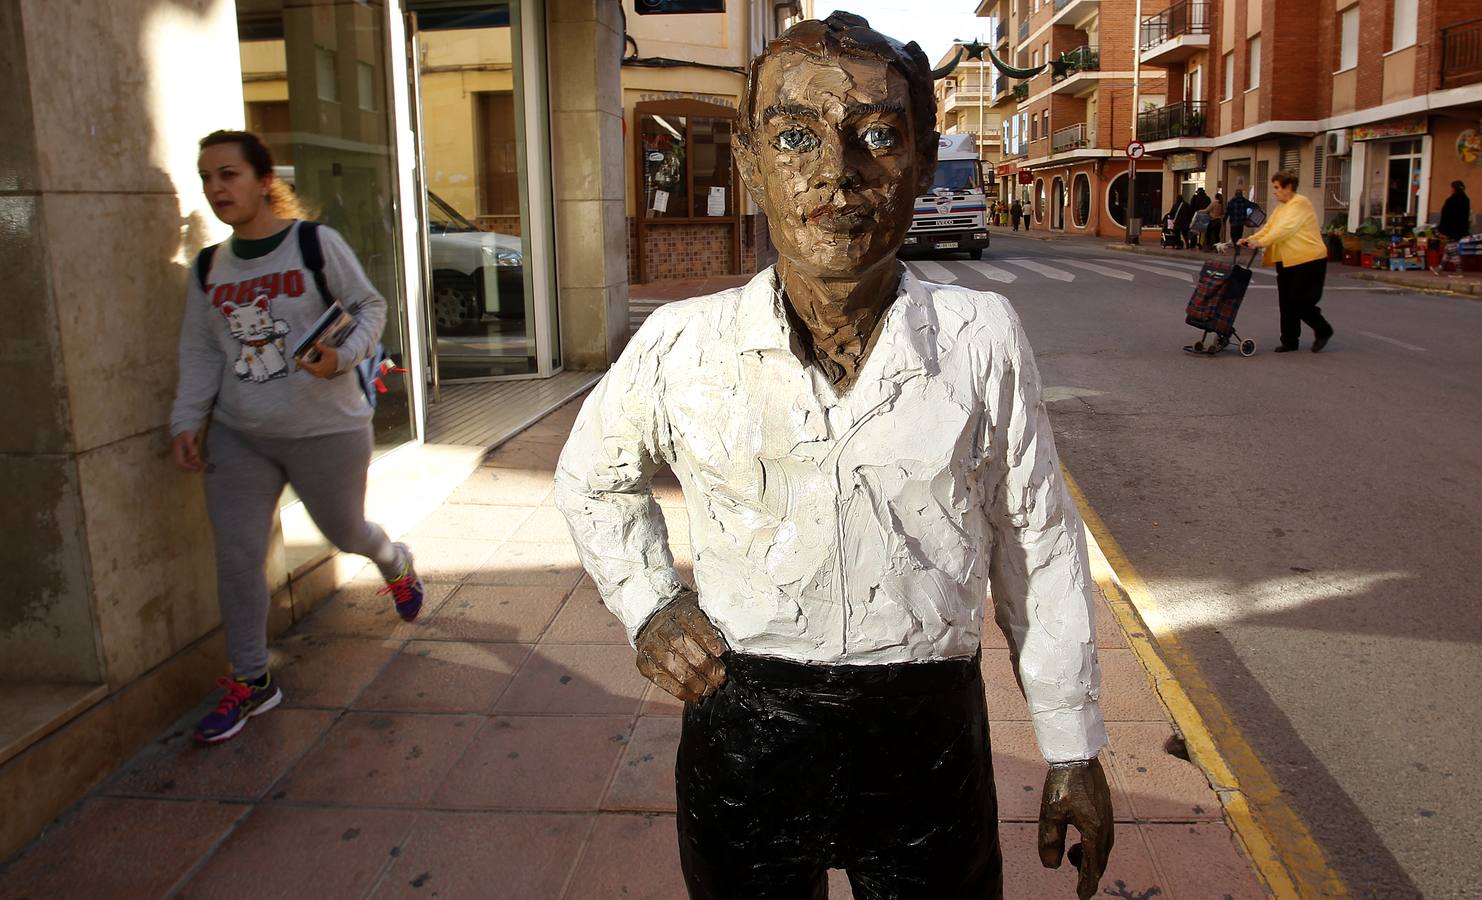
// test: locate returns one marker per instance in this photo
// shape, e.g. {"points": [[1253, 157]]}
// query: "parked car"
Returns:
{"points": [[461, 255]]}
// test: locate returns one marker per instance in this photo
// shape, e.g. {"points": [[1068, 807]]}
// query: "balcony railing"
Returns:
{"points": [[1021, 91], [1084, 58], [1183, 17], [1001, 33], [1186, 119], [1461, 53], [1023, 31], [1069, 138]]}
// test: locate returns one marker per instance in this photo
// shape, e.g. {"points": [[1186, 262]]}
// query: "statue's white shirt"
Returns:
{"points": [[859, 530]]}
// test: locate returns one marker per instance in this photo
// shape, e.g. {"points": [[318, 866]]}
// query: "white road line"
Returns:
{"points": [[988, 270], [1047, 271], [930, 271], [1196, 266], [1099, 269], [1390, 340], [1156, 270]]}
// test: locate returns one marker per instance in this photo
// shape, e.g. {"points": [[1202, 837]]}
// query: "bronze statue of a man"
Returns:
{"points": [[863, 455]]}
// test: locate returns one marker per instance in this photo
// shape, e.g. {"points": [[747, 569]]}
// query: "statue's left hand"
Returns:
{"points": [[1077, 794]]}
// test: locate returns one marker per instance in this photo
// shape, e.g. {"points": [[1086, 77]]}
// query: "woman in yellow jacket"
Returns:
{"points": [[1293, 242]]}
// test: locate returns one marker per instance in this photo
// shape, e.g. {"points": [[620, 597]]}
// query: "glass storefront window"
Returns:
{"points": [[315, 81], [665, 168], [686, 174], [1147, 203], [1080, 194]]}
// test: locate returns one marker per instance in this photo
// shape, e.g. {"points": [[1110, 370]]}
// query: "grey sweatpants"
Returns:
{"points": [[245, 476]]}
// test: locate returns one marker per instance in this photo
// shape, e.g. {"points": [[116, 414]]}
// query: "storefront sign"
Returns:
{"points": [[688, 95], [1405, 127], [1188, 161], [1007, 169]]}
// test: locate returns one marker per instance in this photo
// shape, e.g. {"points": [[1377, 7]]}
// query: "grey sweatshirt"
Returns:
{"points": [[237, 337]]}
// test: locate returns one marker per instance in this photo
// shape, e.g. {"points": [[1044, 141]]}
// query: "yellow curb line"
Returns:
{"points": [[1278, 843]]}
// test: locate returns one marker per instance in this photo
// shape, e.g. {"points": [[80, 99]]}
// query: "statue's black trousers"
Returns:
{"points": [[883, 771]]}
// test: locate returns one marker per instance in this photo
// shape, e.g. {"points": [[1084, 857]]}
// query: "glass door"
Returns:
{"points": [[479, 84], [315, 85]]}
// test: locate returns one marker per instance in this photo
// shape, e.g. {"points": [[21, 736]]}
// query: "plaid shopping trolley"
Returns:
{"points": [[1216, 303]]}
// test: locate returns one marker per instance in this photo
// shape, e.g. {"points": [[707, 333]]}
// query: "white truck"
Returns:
{"points": [[953, 217]]}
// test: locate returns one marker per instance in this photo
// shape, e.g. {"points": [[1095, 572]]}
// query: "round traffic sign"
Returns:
{"points": [[1136, 150]]}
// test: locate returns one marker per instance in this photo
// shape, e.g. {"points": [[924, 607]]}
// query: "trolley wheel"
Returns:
{"points": [[1198, 346], [1247, 348]]}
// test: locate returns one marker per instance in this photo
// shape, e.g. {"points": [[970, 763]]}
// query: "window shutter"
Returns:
{"points": [[1291, 157], [1317, 161]]}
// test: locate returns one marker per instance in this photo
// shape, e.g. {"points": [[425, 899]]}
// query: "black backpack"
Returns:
{"points": [[370, 370]]}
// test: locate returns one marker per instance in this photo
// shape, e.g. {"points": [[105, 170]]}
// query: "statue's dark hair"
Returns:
{"points": [[846, 34]]}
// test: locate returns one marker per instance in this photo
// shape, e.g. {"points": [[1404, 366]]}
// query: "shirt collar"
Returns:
{"points": [[909, 337]]}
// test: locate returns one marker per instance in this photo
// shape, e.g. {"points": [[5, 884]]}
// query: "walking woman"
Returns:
{"points": [[274, 420], [1293, 242]]}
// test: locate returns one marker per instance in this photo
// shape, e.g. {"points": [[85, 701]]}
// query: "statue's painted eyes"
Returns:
{"points": [[878, 137], [796, 140]]}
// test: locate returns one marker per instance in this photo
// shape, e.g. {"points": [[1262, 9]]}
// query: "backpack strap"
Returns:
{"points": [[203, 266], [313, 253]]}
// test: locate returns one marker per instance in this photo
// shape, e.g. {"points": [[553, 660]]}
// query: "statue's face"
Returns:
{"points": [[833, 161]]}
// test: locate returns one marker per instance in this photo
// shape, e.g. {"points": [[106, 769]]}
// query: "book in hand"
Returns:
{"points": [[331, 328]]}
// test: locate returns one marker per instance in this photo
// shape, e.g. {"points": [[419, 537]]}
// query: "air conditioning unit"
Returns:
{"points": [[1338, 143]]}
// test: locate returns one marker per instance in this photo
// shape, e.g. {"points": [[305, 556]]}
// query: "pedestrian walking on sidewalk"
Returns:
{"points": [[273, 419], [1456, 220], [1236, 212], [1017, 211], [1183, 217], [1216, 220], [1294, 243]]}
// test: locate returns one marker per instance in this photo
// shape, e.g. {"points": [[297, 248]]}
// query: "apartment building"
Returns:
{"points": [[964, 106], [1376, 104], [1071, 123], [682, 78]]}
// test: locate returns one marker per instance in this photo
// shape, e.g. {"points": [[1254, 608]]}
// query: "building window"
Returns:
{"points": [[1291, 156], [1253, 63], [1348, 39], [1034, 128], [1406, 17], [324, 75], [1039, 200], [365, 86], [1034, 59], [1044, 127], [1147, 201], [1228, 64], [1080, 199]]}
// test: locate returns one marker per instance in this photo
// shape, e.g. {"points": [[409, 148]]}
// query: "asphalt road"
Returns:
{"points": [[1310, 524]]}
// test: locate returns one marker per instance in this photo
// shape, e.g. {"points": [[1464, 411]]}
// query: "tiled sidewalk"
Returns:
{"points": [[504, 746]]}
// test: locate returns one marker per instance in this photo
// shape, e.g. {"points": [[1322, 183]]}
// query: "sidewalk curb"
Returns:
{"points": [[1467, 291], [1277, 842]]}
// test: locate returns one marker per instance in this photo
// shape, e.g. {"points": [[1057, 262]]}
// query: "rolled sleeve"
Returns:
{"points": [[1039, 574], [603, 486]]}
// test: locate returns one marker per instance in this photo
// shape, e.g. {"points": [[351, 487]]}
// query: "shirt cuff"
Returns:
{"points": [[637, 601], [1070, 735]]}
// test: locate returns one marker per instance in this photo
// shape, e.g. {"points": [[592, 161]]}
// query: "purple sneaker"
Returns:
{"points": [[242, 701], [406, 588]]}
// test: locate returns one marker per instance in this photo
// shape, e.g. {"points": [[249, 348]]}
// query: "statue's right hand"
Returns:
{"points": [[187, 450], [679, 650]]}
